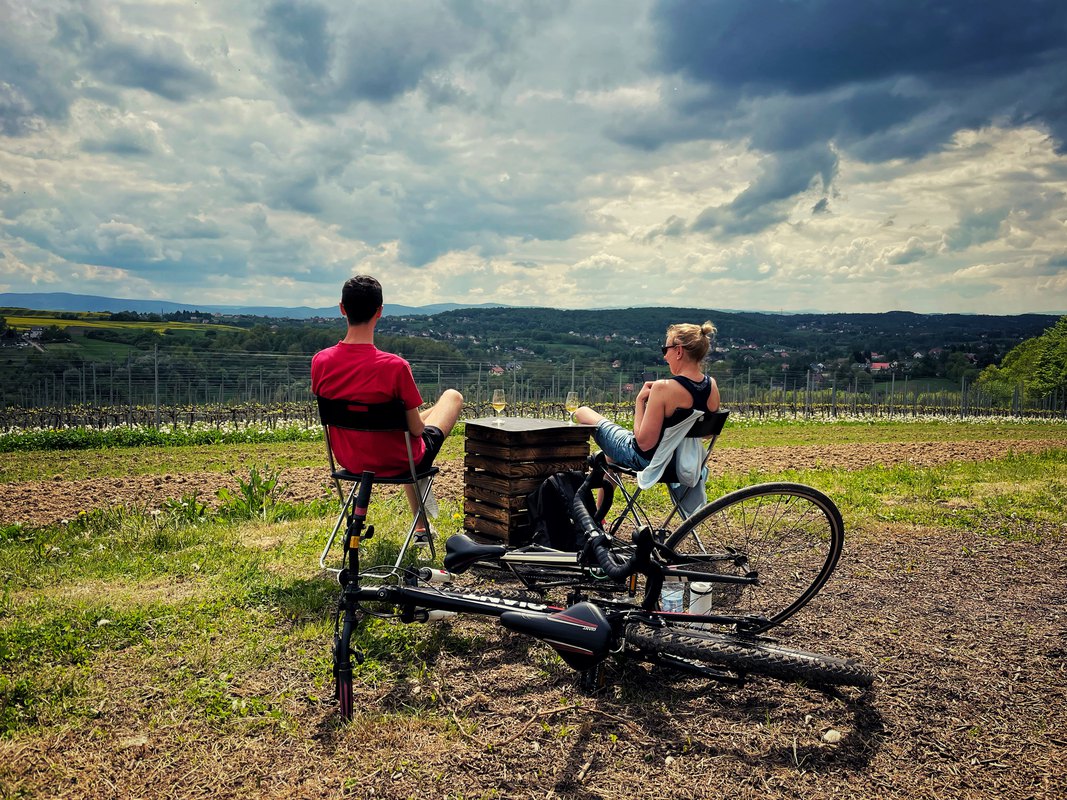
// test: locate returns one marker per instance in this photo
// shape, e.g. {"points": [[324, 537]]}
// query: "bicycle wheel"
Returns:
{"points": [[789, 534], [342, 667], [757, 656]]}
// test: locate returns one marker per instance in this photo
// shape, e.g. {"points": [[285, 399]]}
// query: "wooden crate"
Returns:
{"points": [[505, 462]]}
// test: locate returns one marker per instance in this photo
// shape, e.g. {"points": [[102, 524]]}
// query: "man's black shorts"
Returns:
{"points": [[434, 438]]}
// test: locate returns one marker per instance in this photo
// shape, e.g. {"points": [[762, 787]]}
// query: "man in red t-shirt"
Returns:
{"points": [[354, 369]]}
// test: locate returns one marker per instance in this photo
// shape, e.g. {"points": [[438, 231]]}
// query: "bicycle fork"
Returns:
{"points": [[348, 605]]}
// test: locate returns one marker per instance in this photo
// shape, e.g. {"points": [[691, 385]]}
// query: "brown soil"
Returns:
{"points": [[967, 631], [44, 502]]}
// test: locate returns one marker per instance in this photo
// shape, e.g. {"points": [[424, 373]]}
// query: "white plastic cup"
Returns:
{"points": [[701, 597]]}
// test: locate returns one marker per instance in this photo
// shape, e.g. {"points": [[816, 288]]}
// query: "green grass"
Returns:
{"points": [[1019, 497], [90, 320], [223, 595], [219, 616], [102, 352], [739, 432], [82, 438]]}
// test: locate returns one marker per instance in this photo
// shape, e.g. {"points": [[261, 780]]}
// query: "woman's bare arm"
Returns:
{"points": [[649, 416]]}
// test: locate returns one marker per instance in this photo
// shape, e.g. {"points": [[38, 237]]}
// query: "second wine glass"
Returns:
{"points": [[498, 404], [571, 405]]}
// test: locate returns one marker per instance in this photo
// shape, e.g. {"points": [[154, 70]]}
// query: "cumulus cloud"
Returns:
{"points": [[62, 51], [330, 56], [907, 253], [746, 153]]}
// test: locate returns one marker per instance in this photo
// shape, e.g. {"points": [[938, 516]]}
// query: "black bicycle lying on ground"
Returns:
{"points": [[697, 599]]}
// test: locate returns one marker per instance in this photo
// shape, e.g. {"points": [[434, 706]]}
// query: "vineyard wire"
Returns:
{"points": [[242, 388]]}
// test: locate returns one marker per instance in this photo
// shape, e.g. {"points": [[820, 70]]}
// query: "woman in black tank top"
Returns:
{"points": [[661, 404], [699, 391]]}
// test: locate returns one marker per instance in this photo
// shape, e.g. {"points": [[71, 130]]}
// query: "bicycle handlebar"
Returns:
{"points": [[579, 512], [596, 546], [638, 562]]}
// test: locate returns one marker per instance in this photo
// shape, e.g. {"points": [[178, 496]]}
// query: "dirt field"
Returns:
{"points": [[43, 502], [968, 634]]}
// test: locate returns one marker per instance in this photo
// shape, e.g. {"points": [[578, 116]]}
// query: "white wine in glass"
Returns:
{"points": [[571, 405], [498, 403]]}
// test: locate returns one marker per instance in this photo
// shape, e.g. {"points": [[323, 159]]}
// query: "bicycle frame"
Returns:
{"points": [[601, 614], [583, 633], [550, 569]]}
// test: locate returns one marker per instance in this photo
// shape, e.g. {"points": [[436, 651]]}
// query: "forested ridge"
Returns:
{"points": [[624, 342]]}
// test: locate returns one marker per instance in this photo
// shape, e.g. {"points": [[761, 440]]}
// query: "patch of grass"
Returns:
{"points": [[199, 601], [1018, 497], [44, 652], [124, 543], [49, 439], [44, 634]]}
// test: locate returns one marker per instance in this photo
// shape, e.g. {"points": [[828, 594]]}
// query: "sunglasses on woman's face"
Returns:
{"points": [[664, 348]]}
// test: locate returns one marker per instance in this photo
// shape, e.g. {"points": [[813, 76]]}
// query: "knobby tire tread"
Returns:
{"points": [[759, 657]]}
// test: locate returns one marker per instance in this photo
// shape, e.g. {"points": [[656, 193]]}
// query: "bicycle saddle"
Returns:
{"points": [[461, 551], [580, 634]]}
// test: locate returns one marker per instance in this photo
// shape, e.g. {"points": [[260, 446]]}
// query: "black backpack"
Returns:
{"points": [[550, 511]]}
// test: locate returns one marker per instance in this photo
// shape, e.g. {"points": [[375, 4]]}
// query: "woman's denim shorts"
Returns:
{"points": [[619, 445]]}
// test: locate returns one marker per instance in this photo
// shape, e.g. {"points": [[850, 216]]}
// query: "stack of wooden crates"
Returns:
{"points": [[505, 462]]}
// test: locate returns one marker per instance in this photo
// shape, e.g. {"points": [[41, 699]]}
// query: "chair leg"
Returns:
{"points": [[425, 490], [632, 508], [342, 519], [421, 494]]}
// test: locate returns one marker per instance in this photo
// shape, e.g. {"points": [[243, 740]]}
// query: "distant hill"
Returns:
{"points": [[900, 330], [65, 301]]}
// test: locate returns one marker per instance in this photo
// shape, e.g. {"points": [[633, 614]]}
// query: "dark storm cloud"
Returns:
{"points": [[299, 35], [158, 66], [29, 95], [812, 46], [864, 68], [781, 176], [879, 80], [328, 60]]}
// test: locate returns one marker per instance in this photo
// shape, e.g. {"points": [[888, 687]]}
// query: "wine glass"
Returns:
{"points": [[498, 403], [571, 406]]}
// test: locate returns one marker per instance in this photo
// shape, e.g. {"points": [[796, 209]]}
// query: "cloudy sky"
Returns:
{"points": [[834, 155]]}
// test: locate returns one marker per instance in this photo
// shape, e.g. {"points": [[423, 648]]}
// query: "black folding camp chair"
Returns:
{"points": [[708, 427], [354, 415]]}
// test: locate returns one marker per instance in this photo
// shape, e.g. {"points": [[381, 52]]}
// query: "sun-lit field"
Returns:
{"points": [[94, 321], [175, 641]]}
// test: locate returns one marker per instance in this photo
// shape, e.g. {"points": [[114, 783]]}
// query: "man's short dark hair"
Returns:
{"points": [[361, 297]]}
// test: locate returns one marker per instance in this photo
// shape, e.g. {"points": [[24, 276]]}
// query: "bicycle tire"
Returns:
{"points": [[343, 678], [791, 535], [756, 656]]}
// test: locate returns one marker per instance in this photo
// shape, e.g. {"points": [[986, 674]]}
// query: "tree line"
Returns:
{"points": [[1035, 368], [544, 347]]}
